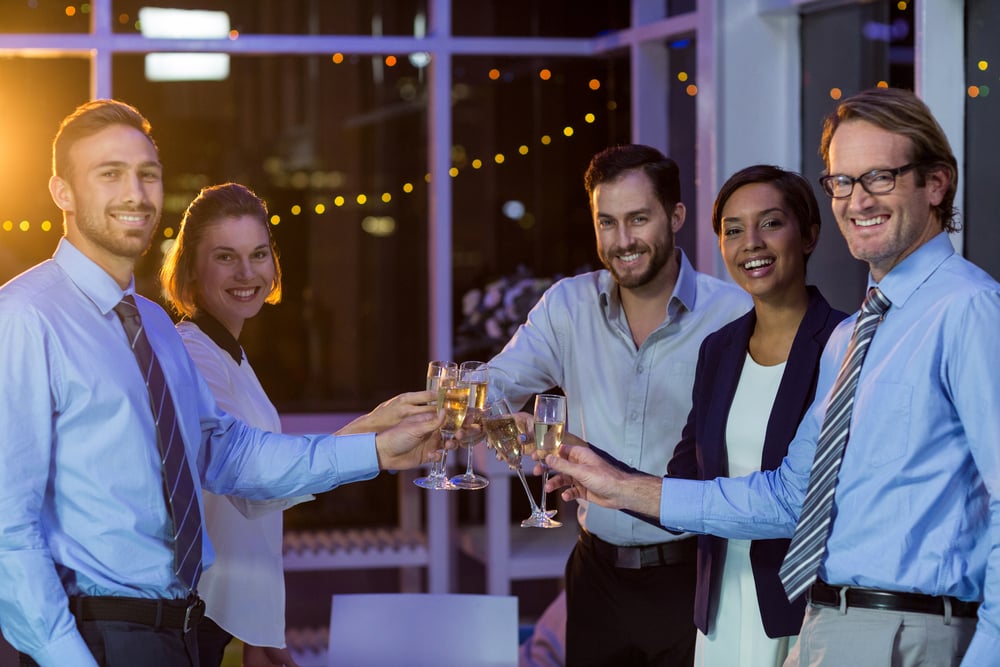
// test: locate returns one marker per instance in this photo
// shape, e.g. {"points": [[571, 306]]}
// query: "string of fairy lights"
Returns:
{"points": [[374, 201]]}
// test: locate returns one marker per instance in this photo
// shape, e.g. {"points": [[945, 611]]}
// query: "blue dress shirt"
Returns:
{"points": [[917, 505], [81, 494], [631, 401]]}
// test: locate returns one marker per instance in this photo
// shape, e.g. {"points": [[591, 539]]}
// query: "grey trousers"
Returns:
{"points": [[875, 638]]}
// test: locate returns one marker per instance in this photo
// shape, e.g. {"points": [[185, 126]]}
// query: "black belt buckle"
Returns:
{"points": [[193, 614]]}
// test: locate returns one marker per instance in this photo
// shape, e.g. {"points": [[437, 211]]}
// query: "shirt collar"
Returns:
{"points": [[219, 334], [904, 278], [96, 283], [686, 288]]}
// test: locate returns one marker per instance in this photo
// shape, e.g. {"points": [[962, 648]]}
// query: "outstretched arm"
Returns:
{"points": [[587, 476]]}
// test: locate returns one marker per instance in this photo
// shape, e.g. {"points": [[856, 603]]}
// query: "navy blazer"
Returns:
{"points": [[701, 453]]}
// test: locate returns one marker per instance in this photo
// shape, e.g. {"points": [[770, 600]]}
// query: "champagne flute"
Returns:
{"points": [[503, 436], [476, 375], [550, 420], [437, 479]]}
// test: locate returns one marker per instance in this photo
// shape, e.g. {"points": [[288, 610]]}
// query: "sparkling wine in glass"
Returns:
{"points": [[476, 375], [453, 401], [506, 439], [436, 478], [550, 420]]}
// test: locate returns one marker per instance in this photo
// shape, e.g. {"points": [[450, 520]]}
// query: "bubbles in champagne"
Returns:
{"points": [[548, 436], [453, 400], [503, 436]]}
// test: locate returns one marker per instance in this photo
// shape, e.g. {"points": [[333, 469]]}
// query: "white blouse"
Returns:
{"points": [[749, 414], [244, 590]]}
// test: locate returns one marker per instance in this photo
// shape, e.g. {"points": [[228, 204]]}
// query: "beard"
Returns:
{"points": [[659, 255], [130, 243]]}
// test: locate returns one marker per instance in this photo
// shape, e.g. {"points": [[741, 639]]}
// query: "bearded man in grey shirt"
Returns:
{"points": [[622, 344]]}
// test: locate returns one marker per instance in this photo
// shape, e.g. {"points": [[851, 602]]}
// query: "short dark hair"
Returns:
{"points": [[87, 120], [902, 112], [795, 190], [612, 162], [213, 205]]}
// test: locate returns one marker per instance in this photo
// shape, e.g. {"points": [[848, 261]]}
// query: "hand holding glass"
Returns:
{"points": [[550, 420], [504, 437], [476, 375], [436, 372]]}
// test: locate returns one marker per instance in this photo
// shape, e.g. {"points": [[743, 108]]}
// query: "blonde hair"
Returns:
{"points": [[902, 112]]}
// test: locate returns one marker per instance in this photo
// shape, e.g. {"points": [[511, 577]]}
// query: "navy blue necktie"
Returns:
{"points": [[179, 486]]}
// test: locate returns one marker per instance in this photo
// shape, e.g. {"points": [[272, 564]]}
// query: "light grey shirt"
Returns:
{"points": [[630, 402]]}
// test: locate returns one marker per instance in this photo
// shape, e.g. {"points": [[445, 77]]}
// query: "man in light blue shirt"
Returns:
{"points": [[86, 539], [622, 344], [912, 559]]}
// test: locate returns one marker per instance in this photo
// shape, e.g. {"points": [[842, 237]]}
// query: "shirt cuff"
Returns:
{"points": [[355, 458], [984, 648], [66, 650], [682, 505]]}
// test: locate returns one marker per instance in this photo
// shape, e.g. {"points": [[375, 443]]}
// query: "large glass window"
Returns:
{"points": [[336, 146], [873, 43], [682, 139], [982, 136], [30, 224], [524, 131]]}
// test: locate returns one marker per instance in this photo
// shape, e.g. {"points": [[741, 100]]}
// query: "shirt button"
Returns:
{"points": [[635, 416]]}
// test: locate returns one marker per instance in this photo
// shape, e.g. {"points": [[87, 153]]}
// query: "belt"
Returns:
{"points": [[178, 614], [824, 595], [638, 557]]}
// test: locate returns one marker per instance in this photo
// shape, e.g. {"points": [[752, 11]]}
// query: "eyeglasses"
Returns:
{"points": [[875, 182]]}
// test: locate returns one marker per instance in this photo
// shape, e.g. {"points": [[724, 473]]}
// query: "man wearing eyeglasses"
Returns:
{"points": [[891, 487]]}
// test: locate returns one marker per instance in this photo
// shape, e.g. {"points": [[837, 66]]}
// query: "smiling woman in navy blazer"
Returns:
{"points": [[756, 376]]}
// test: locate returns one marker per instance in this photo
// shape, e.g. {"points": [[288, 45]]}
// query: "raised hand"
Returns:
{"points": [[414, 441], [586, 476], [389, 413]]}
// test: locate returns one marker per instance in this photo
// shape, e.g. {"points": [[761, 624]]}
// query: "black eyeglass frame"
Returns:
{"points": [[826, 182]]}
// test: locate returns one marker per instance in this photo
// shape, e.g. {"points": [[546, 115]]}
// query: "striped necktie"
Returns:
{"points": [[801, 564], [179, 486]]}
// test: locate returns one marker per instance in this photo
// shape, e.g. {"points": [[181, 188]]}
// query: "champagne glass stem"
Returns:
{"points": [[468, 458], [545, 478], [436, 466], [442, 464], [527, 490]]}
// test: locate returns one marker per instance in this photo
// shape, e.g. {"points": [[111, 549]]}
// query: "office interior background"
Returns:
{"points": [[423, 159]]}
